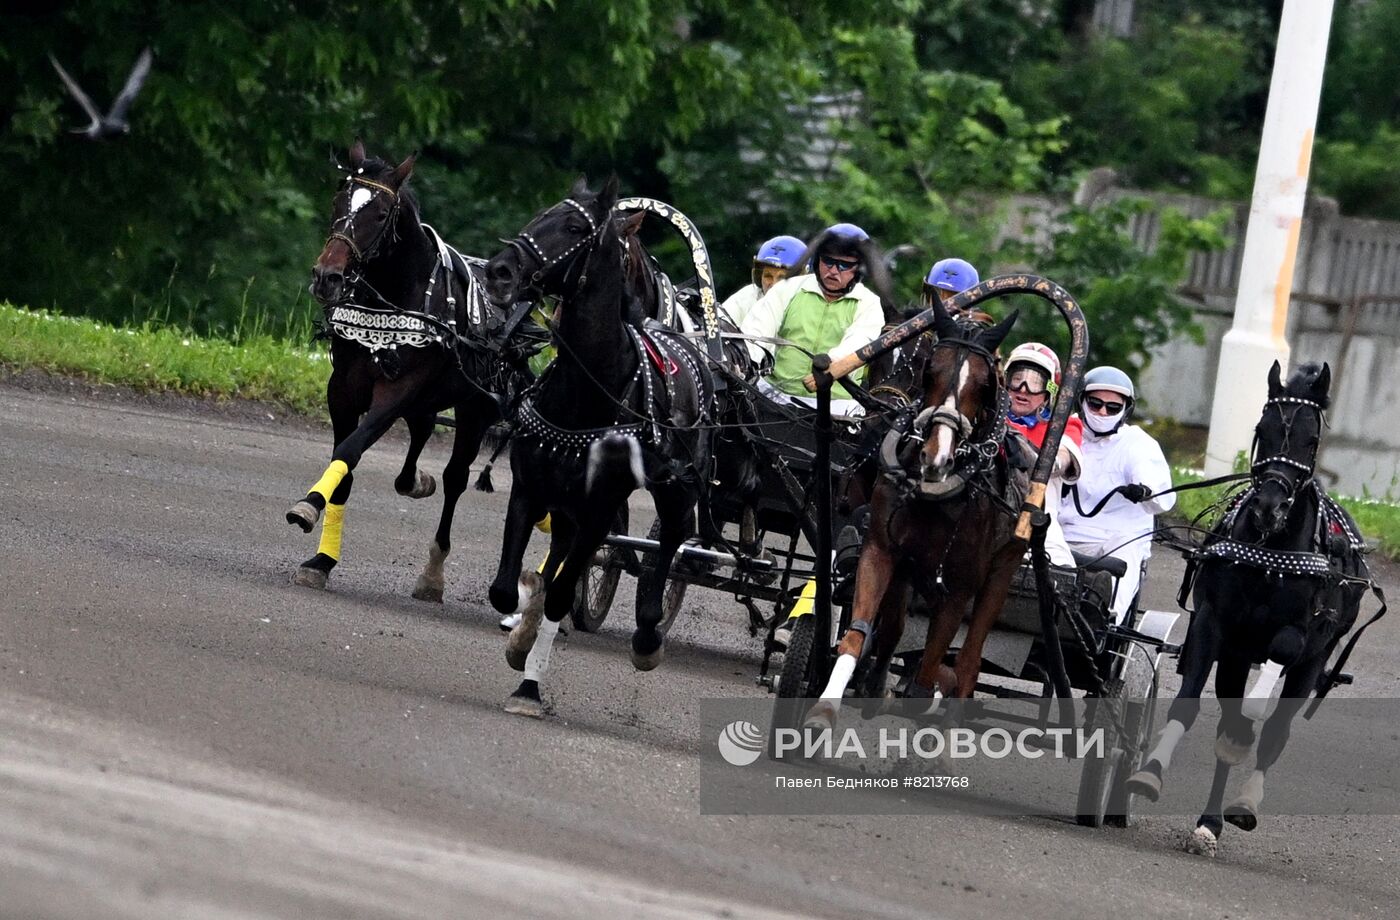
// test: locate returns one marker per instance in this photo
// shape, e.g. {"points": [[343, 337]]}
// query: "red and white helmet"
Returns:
{"points": [[1036, 355]]}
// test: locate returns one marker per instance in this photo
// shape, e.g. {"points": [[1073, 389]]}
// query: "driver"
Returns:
{"points": [[1033, 379], [1117, 456], [830, 310]]}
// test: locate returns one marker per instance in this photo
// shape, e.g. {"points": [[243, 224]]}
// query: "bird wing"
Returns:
{"points": [[77, 93], [133, 86]]}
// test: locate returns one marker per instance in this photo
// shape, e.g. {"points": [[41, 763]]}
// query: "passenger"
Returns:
{"points": [[1117, 454], [947, 278], [830, 310], [1033, 379], [778, 258]]}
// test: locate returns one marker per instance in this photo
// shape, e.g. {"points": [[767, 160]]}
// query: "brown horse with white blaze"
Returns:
{"points": [[935, 524]]}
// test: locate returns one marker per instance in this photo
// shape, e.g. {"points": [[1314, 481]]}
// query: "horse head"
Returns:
{"points": [[542, 257], [1285, 443], [961, 390], [363, 218]]}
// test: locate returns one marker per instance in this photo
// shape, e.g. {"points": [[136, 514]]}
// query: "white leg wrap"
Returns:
{"points": [[1256, 701], [436, 557], [840, 676], [537, 662], [1171, 734]]}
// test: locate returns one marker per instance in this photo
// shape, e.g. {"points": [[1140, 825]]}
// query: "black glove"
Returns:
{"points": [[1135, 492]]}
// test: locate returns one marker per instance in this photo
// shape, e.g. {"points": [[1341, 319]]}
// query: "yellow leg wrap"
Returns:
{"points": [[330, 479], [542, 525], [806, 601], [331, 525], [544, 562]]}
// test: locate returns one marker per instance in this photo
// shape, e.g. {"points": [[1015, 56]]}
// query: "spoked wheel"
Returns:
{"points": [[797, 677], [1103, 793], [598, 585], [673, 595]]}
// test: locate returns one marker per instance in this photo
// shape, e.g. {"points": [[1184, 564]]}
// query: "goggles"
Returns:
{"points": [[1027, 380]]}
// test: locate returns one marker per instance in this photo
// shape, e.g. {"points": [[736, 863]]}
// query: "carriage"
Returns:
{"points": [[1055, 637]]}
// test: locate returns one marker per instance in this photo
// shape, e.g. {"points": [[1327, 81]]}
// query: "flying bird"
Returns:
{"points": [[114, 122]]}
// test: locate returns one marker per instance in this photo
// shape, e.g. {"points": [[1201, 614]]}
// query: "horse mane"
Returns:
{"points": [[1302, 381]]}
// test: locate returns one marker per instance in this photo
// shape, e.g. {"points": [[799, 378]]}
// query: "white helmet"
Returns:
{"points": [[1036, 355], [1111, 379]]}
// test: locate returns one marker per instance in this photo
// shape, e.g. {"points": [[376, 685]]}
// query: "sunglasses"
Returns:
{"points": [[1098, 405], [841, 265]]}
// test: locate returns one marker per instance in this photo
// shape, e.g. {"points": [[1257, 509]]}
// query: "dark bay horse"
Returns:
{"points": [[412, 333], [935, 525], [1278, 583], [627, 405]]}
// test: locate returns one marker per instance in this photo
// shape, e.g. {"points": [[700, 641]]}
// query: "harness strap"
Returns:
{"points": [[1333, 677]]}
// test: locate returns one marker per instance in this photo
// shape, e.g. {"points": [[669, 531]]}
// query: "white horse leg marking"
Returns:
{"points": [[537, 663], [1252, 791], [1256, 701], [1167, 741], [840, 676]]}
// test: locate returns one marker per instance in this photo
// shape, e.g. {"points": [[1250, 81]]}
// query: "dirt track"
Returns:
{"points": [[184, 733]]}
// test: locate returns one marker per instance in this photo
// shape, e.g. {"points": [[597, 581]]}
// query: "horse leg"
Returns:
{"points": [[576, 544], [1202, 648], [944, 621], [345, 413], [1231, 675], [986, 607], [466, 443], [873, 577], [673, 504], [387, 405], [411, 481], [1243, 812], [524, 509], [534, 587]]}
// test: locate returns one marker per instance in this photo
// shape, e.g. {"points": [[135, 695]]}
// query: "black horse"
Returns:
{"points": [[412, 333], [1278, 583], [626, 405]]}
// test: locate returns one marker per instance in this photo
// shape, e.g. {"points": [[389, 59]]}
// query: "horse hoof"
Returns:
{"points": [[304, 515], [1202, 842], [424, 486], [1230, 751], [821, 717], [1144, 783], [308, 577], [1242, 814], [525, 706], [650, 661], [426, 590]]}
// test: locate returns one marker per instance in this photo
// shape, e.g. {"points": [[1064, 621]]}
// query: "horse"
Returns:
{"points": [[1278, 582], [627, 405], [411, 333], [936, 521]]}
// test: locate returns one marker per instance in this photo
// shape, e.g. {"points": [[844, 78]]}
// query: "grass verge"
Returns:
{"points": [[166, 359]]}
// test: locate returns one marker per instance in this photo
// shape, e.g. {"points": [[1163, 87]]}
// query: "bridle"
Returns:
{"points": [[524, 244], [971, 458], [364, 255], [1260, 470]]}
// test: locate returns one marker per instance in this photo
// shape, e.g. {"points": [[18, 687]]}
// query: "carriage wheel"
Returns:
{"points": [[598, 585], [799, 662], [673, 595], [1103, 793]]}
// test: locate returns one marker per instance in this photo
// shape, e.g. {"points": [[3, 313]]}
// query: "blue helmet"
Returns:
{"points": [[954, 275], [780, 252]]}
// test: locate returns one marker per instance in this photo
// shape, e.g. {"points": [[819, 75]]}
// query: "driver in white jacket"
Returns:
{"points": [[1116, 454]]}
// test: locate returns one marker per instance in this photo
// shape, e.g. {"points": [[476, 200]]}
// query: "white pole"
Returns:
{"points": [[1256, 339]]}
